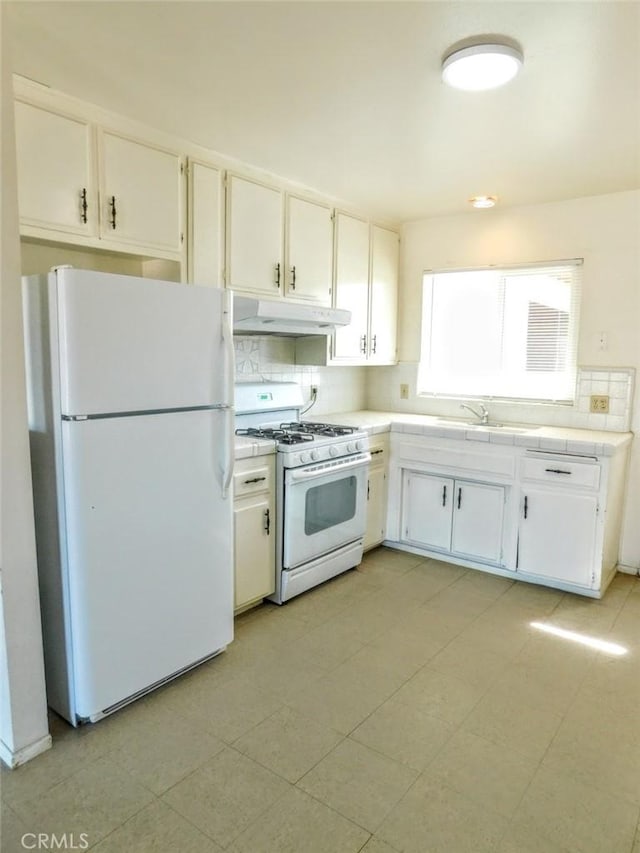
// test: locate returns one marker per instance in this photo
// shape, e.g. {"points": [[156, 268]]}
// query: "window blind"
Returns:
{"points": [[502, 332]]}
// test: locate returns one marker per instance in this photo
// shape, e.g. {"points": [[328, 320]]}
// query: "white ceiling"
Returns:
{"points": [[346, 97]]}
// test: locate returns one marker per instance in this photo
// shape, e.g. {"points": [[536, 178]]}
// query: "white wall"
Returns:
{"points": [[23, 709], [604, 230]]}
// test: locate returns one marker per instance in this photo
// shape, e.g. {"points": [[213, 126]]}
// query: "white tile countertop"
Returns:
{"points": [[559, 439], [246, 446]]}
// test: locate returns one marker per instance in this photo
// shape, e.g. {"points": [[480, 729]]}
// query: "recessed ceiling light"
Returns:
{"points": [[483, 201], [481, 66]]}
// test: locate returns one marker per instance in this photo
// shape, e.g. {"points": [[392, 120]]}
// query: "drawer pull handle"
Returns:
{"points": [[556, 471], [267, 521], [84, 205], [255, 480], [293, 278], [375, 452], [277, 270], [459, 497], [444, 496], [526, 506], [112, 205]]}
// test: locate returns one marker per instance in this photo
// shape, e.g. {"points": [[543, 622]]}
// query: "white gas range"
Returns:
{"points": [[321, 492]]}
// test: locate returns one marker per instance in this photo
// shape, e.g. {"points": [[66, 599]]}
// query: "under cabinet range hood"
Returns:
{"points": [[255, 316]]}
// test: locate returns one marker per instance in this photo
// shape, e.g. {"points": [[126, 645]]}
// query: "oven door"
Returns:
{"points": [[325, 507]]}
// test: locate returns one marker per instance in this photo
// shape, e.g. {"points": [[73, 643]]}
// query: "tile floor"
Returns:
{"points": [[405, 706]]}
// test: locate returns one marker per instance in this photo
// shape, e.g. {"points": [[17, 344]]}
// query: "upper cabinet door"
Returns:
{"points": [[254, 237], [56, 184], [310, 251], [141, 194], [206, 214], [383, 295], [352, 286]]}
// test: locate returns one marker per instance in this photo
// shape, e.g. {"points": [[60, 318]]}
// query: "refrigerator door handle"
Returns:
{"points": [[229, 356]]}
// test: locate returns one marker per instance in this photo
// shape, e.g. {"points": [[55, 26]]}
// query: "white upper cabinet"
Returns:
{"points": [[254, 237], [383, 296], [365, 283], [206, 215], [81, 183], [56, 183], [309, 251], [140, 187], [351, 287]]}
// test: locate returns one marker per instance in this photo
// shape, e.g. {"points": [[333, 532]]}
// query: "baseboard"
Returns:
{"points": [[628, 570], [21, 756]]}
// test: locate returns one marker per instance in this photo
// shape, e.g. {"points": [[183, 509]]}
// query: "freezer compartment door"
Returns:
{"points": [[149, 542], [130, 344]]}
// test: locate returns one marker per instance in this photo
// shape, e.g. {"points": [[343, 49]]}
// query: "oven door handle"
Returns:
{"points": [[317, 471]]}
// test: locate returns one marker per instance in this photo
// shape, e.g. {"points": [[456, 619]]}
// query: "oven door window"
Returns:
{"points": [[329, 504]]}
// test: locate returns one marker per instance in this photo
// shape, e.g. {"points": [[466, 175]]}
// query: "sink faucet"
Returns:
{"points": [[482, 415]]}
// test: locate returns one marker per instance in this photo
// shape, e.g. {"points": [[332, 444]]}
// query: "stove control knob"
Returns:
{"points": [[359, 445], [314, 455], [351, 447], [304, 457], [333, 451]]}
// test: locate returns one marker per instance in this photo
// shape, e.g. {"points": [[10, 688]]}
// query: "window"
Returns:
{"points": [[501, 332]]}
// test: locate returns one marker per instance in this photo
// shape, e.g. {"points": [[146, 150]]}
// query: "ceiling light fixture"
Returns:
{"points": [[482, 65], [483, 201]]}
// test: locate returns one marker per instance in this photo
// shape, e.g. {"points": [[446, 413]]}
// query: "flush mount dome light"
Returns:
{"points": [[481, 66]]}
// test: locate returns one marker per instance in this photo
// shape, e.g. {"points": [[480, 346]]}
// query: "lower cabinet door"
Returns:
{"points": [[478, 511], [376, 507], [427, 506], [254, 530], [557, 535]]}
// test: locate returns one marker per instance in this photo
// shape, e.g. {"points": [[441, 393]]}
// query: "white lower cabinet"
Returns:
{"points": [[377, 492], [558, 535], [457, 516], [254, 530], [538, 515], [559, 514]]}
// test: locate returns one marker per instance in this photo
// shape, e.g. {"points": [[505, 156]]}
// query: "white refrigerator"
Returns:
{"points": [[130, 396]]}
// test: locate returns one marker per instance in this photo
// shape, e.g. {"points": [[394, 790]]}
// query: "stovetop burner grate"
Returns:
{"points": [[327, 430]]}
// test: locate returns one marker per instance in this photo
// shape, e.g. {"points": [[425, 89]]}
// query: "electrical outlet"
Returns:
{"points": [[404, 392], [599, 404]]}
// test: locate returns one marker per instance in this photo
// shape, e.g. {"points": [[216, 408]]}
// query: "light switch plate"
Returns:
{"points": [[599, 404]]}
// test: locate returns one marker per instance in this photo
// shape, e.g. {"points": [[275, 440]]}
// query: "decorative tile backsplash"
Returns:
{"points": [[617, 383], [340, 389], [614, 383], [343, 389]]}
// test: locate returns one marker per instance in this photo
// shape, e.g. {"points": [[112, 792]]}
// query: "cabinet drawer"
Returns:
{"points": [[561, 470], [252, 478], [379, 450]]}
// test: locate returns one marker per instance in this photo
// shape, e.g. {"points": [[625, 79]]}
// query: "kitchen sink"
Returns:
{"points": [[490, 427]]}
